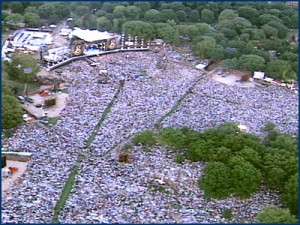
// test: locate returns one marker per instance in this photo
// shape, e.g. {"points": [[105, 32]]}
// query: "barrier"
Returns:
{"points": [[59, 64]]}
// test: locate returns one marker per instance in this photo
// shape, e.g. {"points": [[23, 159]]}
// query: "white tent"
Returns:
{"points": [[90, 35], [242, 127], [201, 66], [259, 75]]}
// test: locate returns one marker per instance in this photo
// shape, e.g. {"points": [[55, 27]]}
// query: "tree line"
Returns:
{"points": [[237, 163]]}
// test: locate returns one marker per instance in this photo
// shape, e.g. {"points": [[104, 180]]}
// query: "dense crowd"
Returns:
{"points": [[213, 103], [153, 188]]}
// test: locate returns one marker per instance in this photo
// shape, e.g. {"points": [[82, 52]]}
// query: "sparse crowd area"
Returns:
{"points": [[152, 188]]}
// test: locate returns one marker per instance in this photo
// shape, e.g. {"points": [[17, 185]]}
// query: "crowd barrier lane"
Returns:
{"points": [[92, 55]]}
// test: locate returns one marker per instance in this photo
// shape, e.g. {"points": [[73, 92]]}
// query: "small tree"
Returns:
{"points": [[215, 180], [290, 195], [245, 178]]}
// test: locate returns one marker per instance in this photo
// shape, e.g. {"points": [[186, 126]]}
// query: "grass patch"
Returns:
{"points": [[53, 120], [146, 149], [8, 133], [227, 214], [90, 139], [179, 159], [67, 189], [145, 138], [65, 90]]}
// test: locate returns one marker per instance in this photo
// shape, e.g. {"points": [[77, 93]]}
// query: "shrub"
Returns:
{"points": [[227, 214], [245, 178], [276, 215], [179, 159], [172, 138], [215, 180], [124, 157], [144, 138]]}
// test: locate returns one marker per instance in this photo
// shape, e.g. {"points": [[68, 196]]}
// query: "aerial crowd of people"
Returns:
{"points": [[152, 188]]}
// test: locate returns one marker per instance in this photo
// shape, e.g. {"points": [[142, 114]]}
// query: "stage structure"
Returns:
{"points": [[89, 43], [86, 42]]}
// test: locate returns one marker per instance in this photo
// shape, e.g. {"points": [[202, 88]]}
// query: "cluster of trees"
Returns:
{"points": [[34, 14], [11, 108], [236, 162], [19, 62], [240, 33]]}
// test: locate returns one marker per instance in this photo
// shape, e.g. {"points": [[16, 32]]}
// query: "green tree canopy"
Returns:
{"points": [[227, 14], [215, 180], [32, 9], [167, 14], [248, 13], [282, 30], [290, 195], [167, 33], [251, 63], [17, 7], [82, 10], [15, 17], [276, 215], [32, 19], [279, 69], [203, 28], [217, 53], [152, 15], [4, 14], [132, 12], [265, 18], [11, 112], [245, 178], [119, 11], [207, 16], [194, 16], [203, 48], [181, 16], [138, 28], [108, 7], [269, 31], [19, 62], [144, 6], [104, 24]]}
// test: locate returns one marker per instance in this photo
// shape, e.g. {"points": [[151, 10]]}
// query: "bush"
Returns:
{"points": [[275, 215], [8, 133], [245, 178], [11, 112], [144, 138], [215, 180], [179, 159], [124, 157], [290, 195], [172, 138], [227, 214]]}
